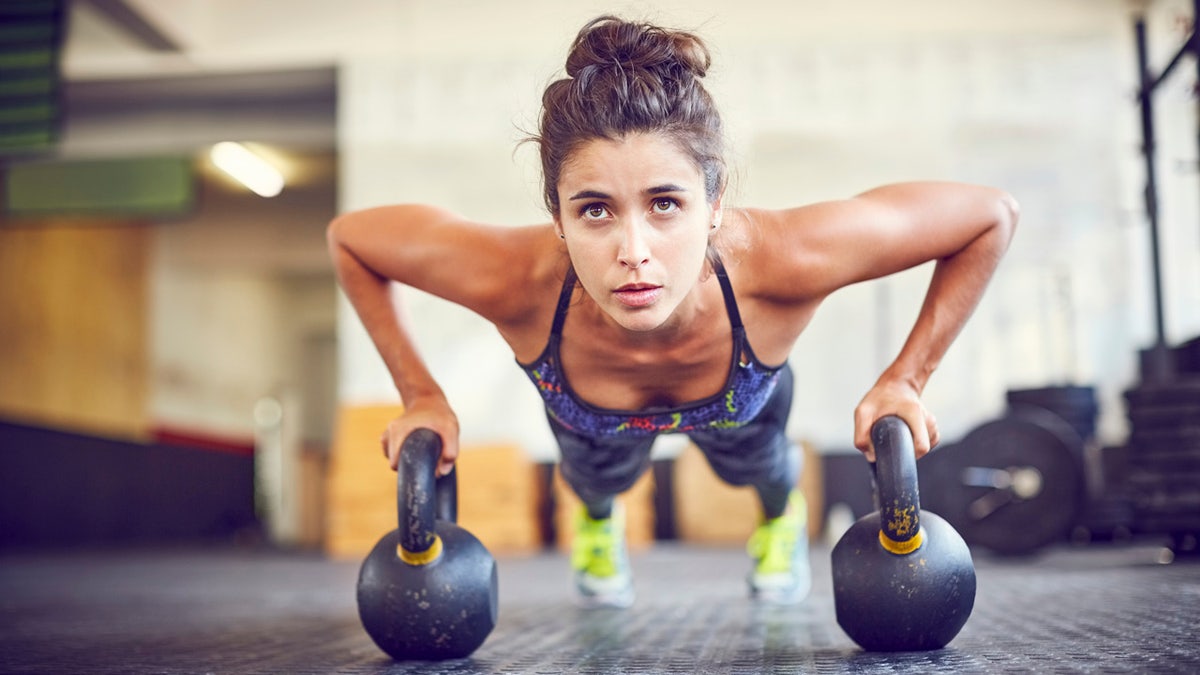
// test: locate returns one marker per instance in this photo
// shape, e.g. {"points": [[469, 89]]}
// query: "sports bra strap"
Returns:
{"points": [[564, 301], [735, 318]]}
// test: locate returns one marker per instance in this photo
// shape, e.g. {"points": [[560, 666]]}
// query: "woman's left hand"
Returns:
{"points": [[894, 397]]}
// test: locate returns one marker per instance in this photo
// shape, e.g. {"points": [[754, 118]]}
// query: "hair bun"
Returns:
{"points": [[609, 41], [625, 77]]}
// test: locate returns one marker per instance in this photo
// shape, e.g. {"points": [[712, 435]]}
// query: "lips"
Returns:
{"points": [[637, 295]]}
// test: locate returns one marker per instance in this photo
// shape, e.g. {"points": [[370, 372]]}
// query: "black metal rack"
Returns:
{"points": [[1162, 463]]}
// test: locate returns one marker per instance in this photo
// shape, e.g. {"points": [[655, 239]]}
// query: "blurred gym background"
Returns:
{"points": [[177, 366]]}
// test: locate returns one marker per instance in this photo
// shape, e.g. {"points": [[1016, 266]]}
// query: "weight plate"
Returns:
{"points": [[1177, 440], [1165, 416], [1173, 393], [1011, 485], [1054, 398], [1076, 405]]}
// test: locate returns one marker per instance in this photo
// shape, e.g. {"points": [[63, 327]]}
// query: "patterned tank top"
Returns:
{"points": [[747, 389]]}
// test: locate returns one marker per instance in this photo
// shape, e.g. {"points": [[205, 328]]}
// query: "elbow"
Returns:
{"points": [[338, 237], [1008, 213], [342, 235], [335, 232]]}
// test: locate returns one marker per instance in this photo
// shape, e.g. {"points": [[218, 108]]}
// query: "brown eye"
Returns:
{"points": [[664, 205], [594, 212]]}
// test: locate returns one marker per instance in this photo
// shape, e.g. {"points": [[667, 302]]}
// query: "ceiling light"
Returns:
{"points": [[247, 168]]}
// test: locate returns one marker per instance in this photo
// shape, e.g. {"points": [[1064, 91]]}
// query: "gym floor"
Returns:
{"points": [[1104, 608]]}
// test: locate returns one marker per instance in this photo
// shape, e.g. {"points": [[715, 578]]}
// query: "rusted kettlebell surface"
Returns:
{"points": [[428, 590], [903, 579]]}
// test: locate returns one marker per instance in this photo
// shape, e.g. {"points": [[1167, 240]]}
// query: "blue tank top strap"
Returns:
{"points": [[564, 301], [731, 308]]}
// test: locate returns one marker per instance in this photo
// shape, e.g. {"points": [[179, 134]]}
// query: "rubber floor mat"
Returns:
{"points": [[1094, 610]]}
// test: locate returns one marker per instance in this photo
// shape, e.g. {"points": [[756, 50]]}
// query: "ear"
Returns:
{"points": [[558, 228], [718, 214]]}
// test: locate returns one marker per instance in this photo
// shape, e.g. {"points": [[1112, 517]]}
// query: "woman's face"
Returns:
{"points": [[637, 224]]}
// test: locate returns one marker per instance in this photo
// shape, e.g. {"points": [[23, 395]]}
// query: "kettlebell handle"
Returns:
{"points": [[896, 482], [422, 500]]}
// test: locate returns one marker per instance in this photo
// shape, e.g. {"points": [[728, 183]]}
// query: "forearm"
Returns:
{"points": [[377, 302], [955, 289]]}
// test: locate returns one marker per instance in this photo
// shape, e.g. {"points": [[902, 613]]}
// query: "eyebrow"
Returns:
{"points": [[656, 190], [662, 189]]}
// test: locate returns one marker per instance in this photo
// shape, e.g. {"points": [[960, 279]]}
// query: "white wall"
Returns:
{"points": [[238, 291]]}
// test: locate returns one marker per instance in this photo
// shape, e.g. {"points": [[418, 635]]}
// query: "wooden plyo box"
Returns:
{"points": [[710, 511]]}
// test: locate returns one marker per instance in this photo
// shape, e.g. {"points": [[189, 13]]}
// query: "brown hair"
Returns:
{"points": [[625, 77]]}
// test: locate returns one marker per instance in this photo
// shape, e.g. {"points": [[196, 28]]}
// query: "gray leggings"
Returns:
{"points": [[757, 454]]}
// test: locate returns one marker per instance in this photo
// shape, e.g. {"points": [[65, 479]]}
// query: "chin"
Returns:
{"points": [[639, 321]]}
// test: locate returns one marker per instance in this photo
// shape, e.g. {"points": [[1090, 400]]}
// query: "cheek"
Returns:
{"points": [[585, 259], [694, 249]]}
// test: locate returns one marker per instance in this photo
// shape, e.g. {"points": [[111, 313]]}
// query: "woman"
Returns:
{"points": [[647, 306]]}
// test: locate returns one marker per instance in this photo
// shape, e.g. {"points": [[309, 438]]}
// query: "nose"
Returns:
{"points": [[635, 250]]}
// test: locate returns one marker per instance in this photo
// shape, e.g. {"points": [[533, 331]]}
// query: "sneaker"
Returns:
{"points": [[779, 548], [600, 561]]}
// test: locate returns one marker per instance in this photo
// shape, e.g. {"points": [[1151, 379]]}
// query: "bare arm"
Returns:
{"points": [[438, 252], [964, 228]]}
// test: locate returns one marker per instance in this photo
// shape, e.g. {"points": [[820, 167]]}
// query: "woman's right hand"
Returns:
{"points": [[433, 414]]}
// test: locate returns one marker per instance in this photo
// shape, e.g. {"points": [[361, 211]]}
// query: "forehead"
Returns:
{"points": [[635, 157]]}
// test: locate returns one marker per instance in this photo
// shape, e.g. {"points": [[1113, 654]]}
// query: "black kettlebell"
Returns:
{"points": [[427, 591], [903, 579]]}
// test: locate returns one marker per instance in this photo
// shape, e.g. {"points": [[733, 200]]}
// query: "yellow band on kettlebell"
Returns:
{"points": [[901, 547], [423, 557]]}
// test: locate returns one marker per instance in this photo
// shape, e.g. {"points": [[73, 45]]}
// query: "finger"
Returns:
{"points": [[920, 434], [935, 435], [862, 439], [862, 434], [447, 459]]}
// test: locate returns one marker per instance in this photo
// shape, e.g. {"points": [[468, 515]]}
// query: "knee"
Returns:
{"points": [[775, 463], [592, 483]]}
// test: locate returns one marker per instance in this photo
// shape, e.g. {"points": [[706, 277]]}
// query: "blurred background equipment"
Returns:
{"points": [[31, 110], [1163, 456], [1011, 485], [66, 490], [1163, 461]]}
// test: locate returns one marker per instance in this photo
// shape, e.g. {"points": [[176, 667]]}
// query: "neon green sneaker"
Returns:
{"points": [[600, 561], [779, 548]]}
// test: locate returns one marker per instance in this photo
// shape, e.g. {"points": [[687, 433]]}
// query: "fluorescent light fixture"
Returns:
{"points": [[247, 168]]}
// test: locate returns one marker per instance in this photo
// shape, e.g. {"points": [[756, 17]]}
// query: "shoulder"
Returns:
{"points": [[514, 279], [513, 274], [498, 271], [807, 252], [778, 254]]}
